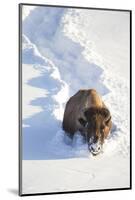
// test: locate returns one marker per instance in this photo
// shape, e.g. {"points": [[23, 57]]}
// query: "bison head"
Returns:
{"points": [[97, 124]]}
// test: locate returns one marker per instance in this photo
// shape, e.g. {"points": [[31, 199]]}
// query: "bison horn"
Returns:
{"points": [[106, 114]]}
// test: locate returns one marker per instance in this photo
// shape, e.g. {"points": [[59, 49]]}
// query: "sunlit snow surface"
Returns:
{"points": [[65, 50]]}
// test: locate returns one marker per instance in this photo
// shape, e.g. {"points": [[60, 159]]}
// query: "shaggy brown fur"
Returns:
{"points": [[87, 107]]}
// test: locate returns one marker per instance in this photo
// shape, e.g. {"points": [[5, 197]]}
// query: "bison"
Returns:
{"points": [[86, 112]]}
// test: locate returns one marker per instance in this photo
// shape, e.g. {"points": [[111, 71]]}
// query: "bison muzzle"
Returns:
{"points": [[86, 112]]}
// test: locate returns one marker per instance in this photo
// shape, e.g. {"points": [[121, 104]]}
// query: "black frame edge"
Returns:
{"points": [[20, 99], [78, 7], [130, 99], [74, 192]]}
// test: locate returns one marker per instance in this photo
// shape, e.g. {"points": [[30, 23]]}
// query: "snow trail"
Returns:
{"points": [[62, 50], [117, 85]]}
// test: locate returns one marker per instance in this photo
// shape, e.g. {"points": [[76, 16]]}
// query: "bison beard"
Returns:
{"points": [[87, 113]]}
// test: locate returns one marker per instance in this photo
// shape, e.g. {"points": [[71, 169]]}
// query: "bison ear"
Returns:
{"points": [[82, 121], [105, 112]]}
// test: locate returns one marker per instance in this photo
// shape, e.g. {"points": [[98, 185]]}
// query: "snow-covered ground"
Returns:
{"points": [[65, 50]]}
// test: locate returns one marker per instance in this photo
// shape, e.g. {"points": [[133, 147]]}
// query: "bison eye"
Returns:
{"points": [[82, 121], [102, 127]]}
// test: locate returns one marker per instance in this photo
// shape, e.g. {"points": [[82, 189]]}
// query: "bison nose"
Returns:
{"points": [[92, 148], [95, 148], [99, 148]]}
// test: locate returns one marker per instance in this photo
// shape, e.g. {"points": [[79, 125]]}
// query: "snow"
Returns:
{"points": [[26, 11], [65, 50], [80, 174]]}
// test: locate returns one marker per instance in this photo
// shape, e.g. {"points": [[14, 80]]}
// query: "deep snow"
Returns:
{"points": [[65, 50]]}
